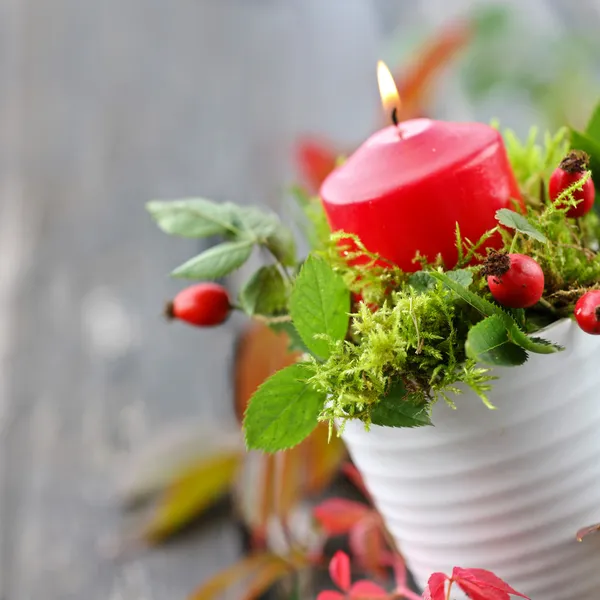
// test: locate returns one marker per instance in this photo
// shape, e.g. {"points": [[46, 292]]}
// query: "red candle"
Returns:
{"points": [[408, 185]]}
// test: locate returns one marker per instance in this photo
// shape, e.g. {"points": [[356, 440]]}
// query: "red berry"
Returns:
{"points": [[571, 169], [203, 305], [515, 280], [587, 312]]}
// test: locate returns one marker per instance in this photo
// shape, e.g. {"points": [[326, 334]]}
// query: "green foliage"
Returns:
{"points": [[489, 342], [283, 411], [265, 293], [512, 219], [396, 410], [533, 162], [320, 306], [406, 340], [216, 262], [243, 227]]}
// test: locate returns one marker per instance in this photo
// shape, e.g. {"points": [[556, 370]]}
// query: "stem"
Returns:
{"points": [[449, 588], [280, 264], [514, 243], [549, 306]]}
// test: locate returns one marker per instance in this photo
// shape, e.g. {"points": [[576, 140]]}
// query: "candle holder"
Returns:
{"points": [[466, 388]]}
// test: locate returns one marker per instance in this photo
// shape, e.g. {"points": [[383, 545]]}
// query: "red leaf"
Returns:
{"points": [[585, 531], [368, 545], [436, 587], [339, 570], [338, 516], [365, 590], [353, 474], [315, 161], [480, 584], [330, 595]]}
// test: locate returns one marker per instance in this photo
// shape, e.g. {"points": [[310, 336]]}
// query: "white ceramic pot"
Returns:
{"points": [[505, 490]]}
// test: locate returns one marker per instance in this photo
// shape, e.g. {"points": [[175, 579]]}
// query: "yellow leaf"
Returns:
{"points": [[198, 487], [250, 566]]}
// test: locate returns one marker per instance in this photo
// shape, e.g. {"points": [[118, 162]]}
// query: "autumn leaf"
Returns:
{"points": [[339, 570], [480, 584], [264, 568], [191, 493], [338, 516], [436, 587], [366, 590], [368, 544], [585, 531], [315, 160]]}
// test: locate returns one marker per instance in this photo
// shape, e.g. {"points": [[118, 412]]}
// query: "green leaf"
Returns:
{"points": [[488, 342], [461, 276], [593, 127], [216, 262], [396, 410], [320, 305], [283, 411], [253, 223], [421, 281], [282, 245], [487, 309], [581, 141], [512, 219], [265, 293], [316, 228], [195, 217], [296, 344]]}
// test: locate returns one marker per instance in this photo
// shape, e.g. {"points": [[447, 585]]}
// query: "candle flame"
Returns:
{"points": [[390, 98]]}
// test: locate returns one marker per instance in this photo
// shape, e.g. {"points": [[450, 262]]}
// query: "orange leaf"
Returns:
{"points": [[260, 353], [243, 569], [323, 459], [415, 81], [585, 531], [265, 577], [315, 160]]}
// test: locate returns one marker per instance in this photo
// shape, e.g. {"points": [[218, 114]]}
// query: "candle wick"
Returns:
{"points": [[395, 120]]}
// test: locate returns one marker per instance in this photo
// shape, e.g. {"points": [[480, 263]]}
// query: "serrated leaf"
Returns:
{"points": [[265, 293], [488, 309], [461, 276], [592, 129], [282, 245], [582, 141], [488, 342], [512, 219], [216, 262], [320, 305], [421, 282], [397, 410], [194, 217], [283, 411]]}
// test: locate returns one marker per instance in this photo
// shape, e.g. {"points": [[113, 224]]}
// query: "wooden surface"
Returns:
{"points": [[104, 106]]}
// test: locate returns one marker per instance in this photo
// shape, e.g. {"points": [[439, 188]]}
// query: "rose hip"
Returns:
{"points": [[515, 280], [587, 312], [203, 305], [571, 170]]}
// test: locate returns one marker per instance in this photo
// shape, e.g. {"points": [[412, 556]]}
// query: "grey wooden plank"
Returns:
{"points": [[106, 105]]}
